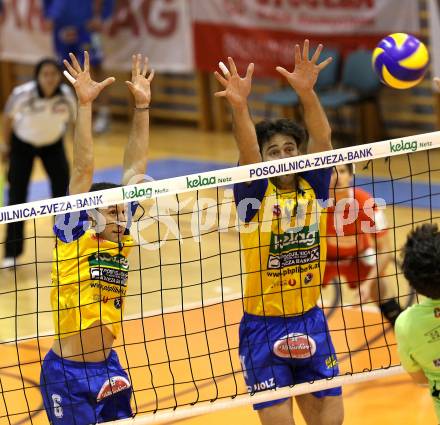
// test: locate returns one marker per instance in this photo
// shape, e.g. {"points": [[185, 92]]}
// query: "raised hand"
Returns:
{"points": [[86, 89], [305, 74], [140, 84], [237, 89]]}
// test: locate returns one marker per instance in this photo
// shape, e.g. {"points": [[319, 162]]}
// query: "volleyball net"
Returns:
{"points": [[186, 284]]}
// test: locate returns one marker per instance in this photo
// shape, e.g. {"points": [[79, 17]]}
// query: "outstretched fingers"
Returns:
{"points": [[297, 54], [232, 66], [250, 71], [86, 61], [225, 70], [69, 77], [323, 64], [133, 66], [283, 71], [151, 76], [145, 67], [317, 53], [306, 50], [75, 63], [108, 81], [220, 79], [70, 69]]}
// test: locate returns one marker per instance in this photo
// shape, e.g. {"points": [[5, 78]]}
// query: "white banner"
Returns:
{"points": [[336, 17], [219, 178], [159, 29]]}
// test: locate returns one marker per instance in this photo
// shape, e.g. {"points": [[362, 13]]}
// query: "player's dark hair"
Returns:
{"points": [[420, 260], [39, 66], [103, 186], [267, 129]]}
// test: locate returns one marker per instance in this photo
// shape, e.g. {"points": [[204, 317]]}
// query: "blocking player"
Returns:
{"points": [[358, 245], [417, 334], [82, 381], [284, 338]]}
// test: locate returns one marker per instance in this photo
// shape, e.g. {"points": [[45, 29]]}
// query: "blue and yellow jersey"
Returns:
{"points": [[89, 277], [283, 243]]}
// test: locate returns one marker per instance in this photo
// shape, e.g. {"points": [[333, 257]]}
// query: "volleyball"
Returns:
{"points": [[400, 60]]}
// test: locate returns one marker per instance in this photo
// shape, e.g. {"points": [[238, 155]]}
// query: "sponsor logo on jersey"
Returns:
{"points": [[118, 303], [433, 335], [304, 238], [112, 386], [293, 248], [295, 346], [112, 269], [308, 278]]}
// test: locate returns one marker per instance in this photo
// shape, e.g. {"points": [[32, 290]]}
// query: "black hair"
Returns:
{"points": [[103, 186], [39, 66], [420, 260], [267, 129]]}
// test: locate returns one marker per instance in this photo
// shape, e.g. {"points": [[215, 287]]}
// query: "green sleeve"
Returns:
{"points": [[403, 344]]}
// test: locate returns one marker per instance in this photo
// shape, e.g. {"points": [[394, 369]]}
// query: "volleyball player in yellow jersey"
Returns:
{"points": [[82, 381], [284, 338]]}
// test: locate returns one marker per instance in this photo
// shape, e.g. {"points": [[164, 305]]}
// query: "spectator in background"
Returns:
{"points": [[76, 27], [35, 121]]}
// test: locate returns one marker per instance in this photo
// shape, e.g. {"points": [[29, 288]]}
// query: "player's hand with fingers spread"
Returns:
{"points": [[86, 89], [236, 89], [140, 84], [305, 74]]}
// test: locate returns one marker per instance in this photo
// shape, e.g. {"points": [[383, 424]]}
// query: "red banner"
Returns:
{"points": [[265, 31]]}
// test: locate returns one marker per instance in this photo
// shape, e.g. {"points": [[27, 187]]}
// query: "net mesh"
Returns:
{"points": [[179, 340]]}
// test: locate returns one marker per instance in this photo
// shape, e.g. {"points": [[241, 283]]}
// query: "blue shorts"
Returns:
{"points": [[76, 393], [284, 351], [86, 40]]}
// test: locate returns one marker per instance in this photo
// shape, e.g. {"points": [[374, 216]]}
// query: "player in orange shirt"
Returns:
{"points": [[358, 245]]}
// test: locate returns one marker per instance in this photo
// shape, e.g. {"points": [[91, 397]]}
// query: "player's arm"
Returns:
{"points": [[87, 91], [136, 151], [303, 80], [403, 335], [236, 91]]}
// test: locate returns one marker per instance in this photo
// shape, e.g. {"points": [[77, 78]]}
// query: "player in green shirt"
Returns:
{"points": [[418, 328]]}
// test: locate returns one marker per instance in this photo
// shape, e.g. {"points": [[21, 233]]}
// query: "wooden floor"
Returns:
{"points": [[208, 335]]}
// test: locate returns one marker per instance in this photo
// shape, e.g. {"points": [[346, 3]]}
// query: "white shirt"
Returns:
{"points": [[37, 120]]}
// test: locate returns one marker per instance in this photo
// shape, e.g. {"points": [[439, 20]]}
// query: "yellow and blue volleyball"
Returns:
{"points": [[400, 60]]}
